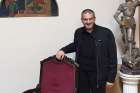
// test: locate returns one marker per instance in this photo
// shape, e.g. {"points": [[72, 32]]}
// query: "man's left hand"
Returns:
{"points": [[109, 85]]}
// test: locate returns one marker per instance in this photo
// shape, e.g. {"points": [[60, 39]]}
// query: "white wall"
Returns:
{"points": [[25, 41]]}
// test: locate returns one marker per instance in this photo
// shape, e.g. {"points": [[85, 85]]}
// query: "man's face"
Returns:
{"points": [[88, 20]]}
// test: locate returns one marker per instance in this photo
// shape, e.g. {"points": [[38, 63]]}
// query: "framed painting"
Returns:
{"points": [[28, 8]]}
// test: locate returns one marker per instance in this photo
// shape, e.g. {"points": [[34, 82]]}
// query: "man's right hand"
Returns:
{"points": [[60, 55]]}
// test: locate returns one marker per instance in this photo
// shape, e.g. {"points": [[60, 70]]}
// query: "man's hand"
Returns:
{"points": [[60, 55], [109, 85]]}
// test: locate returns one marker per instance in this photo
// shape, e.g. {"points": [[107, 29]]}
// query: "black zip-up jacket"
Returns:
{"points": [[95, 51]]}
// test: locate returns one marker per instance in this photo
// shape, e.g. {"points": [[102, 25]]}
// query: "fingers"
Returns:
{"points": [[60, 55], [109, 85]]}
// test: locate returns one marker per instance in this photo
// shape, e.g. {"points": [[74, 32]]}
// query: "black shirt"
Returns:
{"points": [[87, 51]]}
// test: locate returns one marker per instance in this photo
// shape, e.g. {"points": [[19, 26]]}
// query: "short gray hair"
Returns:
{"points": [[88, 11]]}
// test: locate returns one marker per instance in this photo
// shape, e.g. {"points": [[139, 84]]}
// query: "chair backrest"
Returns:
{"points": [[57, 76]]}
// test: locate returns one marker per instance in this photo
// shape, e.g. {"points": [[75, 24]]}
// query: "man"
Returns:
{"points": [[96, 54]]}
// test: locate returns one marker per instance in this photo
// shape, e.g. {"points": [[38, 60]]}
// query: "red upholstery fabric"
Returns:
{"points": [[57, 77]]}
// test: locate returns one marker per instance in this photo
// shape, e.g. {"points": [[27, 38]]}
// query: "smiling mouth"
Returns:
{"points": [[88, 24]]}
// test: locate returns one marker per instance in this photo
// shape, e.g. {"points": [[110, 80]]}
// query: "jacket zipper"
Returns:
{"points": [[97, 65]]}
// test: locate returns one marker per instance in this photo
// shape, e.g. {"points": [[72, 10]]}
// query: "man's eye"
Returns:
{"points": [[85, 19], [90, 18]]}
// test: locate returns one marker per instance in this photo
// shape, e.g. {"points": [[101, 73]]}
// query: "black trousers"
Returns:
{"points": [[87, 83]]}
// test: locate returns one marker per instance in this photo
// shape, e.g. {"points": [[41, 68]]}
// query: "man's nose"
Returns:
{"points": [[88, 21]]}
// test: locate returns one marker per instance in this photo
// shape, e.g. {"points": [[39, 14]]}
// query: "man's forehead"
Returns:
{"points": [[88, 12], [88, 15]]}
